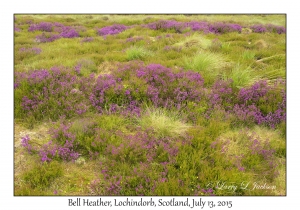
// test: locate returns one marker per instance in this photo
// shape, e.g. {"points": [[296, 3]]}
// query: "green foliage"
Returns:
{"points": [[248, 55], [241, 76], [87, 67], [134, 53], [226, 48], [195, 41], [42, 175], [209, 65]]}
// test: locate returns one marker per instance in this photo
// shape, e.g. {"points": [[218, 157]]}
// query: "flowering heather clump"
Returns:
{"points": [[265, 103], [166, 24], [154, 82], [248, 113], [69, 32], [198, 26], [58, 26], [25, 143], [260, 103], [222, 93], [219, 28], [63, 149], [48, 152], [268, 28], [166, 88], [49, 37], [65, 152], [254, 93], [103, 83], [60, 31], [258, 28], [110, 30], [276, 29], [195, 26], [50, 94], [43, 26]]}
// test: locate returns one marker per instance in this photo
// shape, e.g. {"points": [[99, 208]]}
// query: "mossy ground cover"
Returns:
{"points": [[150, 104]]}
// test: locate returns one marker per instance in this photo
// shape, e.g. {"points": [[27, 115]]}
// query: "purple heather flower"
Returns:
{"points": [[17, 29], [69, 32], [25, 143], [43, 26], [127, 92], [110, 30]]}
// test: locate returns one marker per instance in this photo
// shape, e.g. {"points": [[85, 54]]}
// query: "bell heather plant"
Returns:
{"points": [[53, 31], [25, 143], [42, 26], [111, 30], [216, 28], [52, 93]]}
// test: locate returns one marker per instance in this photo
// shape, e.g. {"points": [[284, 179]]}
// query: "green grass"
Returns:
{"points": [[42, 175], [195, 41], [164, 122], [134, 53], [241, 76], [209, 65]]}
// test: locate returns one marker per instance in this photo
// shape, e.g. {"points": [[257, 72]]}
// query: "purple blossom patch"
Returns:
{"points": [[111, 30], [25, 143], [43, 26]]}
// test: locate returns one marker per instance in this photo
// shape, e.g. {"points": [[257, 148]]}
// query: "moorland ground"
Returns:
{"points": [[149, 105]]}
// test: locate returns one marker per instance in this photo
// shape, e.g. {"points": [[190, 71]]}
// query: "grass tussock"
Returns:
{"points": [[194, 41], [164, 122], [241, 76], [209, 65], [140, 53]]}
